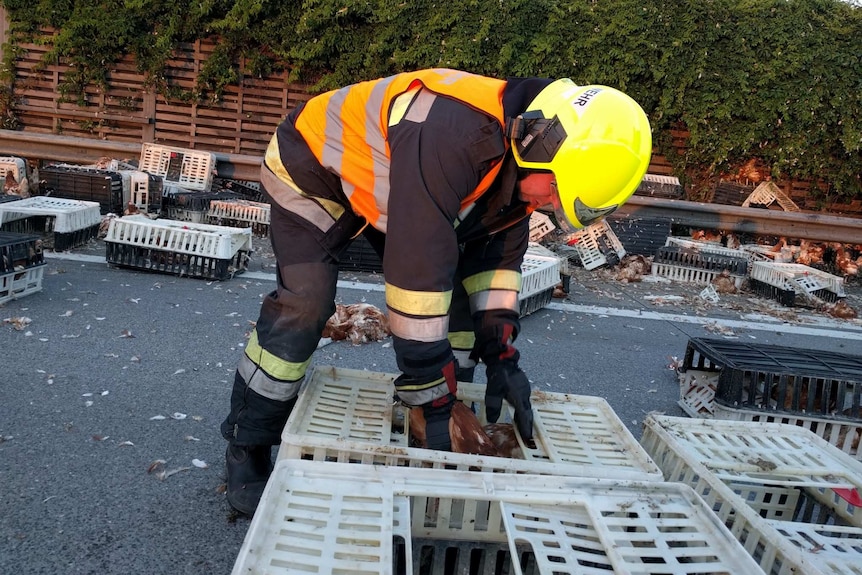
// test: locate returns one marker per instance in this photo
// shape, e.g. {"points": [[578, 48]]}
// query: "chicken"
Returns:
{"points": [[809, 254], [105, 224], [724, 283], [131, 209], [505, 439], [632, 268], [751, 172], [360, 323], [465, 431], [841, 310], [13, 187]]}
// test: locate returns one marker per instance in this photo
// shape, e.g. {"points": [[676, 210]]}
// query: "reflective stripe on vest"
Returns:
{"points": [[347, 130]]}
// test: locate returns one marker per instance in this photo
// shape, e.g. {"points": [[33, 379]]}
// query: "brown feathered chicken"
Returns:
{"points": [[465, 431], [13, 187], [724, 283], [360, 323], [131, 209], [505, 440], [633, 268], [840, 309]]}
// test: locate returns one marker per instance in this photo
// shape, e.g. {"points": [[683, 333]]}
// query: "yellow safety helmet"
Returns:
{"points": [[595, 139]]}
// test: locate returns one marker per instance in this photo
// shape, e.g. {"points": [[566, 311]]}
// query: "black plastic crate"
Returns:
{"points": [[787, 380], [169, 262], [698, 259], [788, 297], [88, 184], [657, 186], [360, 256], [19, 251], [247, 190], [179, 200], [731, 193], [56, 241], [641, 236]]}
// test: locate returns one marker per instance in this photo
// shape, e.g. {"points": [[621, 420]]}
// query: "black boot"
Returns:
{"points": [[248, 469]]}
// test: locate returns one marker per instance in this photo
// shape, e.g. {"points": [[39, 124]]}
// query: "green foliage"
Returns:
{"points": [[775, 80]]}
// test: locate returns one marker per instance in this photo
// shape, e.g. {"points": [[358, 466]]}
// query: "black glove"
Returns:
{"points": [[507, 381], [416, 390], [437, 414]]}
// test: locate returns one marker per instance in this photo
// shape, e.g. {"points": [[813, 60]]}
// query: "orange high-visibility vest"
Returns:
{"points": [[347, 131]]}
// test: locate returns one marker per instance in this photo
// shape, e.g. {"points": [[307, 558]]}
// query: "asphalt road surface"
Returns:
{"points": [[112, 394]]}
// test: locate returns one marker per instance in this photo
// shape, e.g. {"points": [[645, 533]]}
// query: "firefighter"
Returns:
{"points": [[440, 170]]}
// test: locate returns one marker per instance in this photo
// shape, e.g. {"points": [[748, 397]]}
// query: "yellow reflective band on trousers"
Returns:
{"points": [[421, 303], [422, 386], [494, 279], [273, 365], [462, 339]]}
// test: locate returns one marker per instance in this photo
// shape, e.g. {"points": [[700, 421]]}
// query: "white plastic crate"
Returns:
{"points": [[196, 250], [333, 518], [697, 392], [706, 247], [186, 168], [540, 271], [349, 416], [789, 497], [594, 243], [691, 275], [843, 434], [18, 284], [137, 190], [540, 226], [65, 215], [767, 193], [241, 213], [13, 164], [799, 278]]}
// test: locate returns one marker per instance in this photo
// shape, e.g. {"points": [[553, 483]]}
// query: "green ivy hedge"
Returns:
{"points": [[775, 80]]}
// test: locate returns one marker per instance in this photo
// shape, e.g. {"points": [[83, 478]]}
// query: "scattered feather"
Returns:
{"points": [[200, 464], [126, 444], [157, 418], [179, 371], [126, 333], [178, 416]]}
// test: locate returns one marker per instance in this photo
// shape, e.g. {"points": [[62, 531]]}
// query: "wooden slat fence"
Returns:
{"points": [[241, 123]]}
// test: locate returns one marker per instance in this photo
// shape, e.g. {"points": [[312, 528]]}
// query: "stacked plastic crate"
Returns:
{"points": [[22, 265], [351, 494], [818, 390], [791, 499], [66, 223]]}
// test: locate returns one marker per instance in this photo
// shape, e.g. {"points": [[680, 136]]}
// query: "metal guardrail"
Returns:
{"points": [[799, 225]]}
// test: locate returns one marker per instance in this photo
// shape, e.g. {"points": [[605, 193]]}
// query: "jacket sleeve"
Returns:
{"points": [[439, 154]]}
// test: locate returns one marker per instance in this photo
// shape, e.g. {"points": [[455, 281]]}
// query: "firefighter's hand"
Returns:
{"points": [[507, 381]]}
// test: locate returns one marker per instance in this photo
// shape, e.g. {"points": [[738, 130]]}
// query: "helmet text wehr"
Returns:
{"points": [[584, 99]]}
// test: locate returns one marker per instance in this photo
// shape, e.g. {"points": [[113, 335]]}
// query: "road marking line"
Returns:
{"points": [[819, 326]]}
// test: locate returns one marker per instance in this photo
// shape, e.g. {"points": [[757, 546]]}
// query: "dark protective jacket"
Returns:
{"points": [[422, 157]]}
